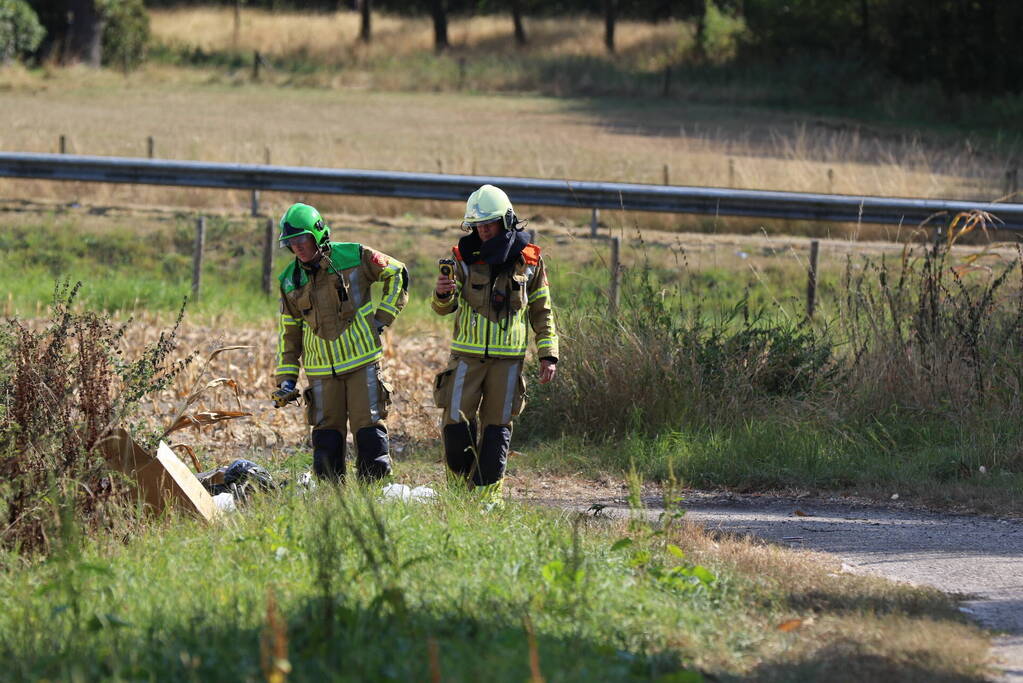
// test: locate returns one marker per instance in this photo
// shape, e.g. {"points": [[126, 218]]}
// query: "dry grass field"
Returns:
{"points": [[342, 115]]}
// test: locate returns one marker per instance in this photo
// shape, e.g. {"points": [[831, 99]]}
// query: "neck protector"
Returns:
{"points": [[501, 250]]}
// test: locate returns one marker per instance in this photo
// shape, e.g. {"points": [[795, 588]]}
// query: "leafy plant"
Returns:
{"points": [[20, 30], [67, 386]]}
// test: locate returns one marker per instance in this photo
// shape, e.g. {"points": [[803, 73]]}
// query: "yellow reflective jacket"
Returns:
{"points": [[491, 315], [328, 316]]}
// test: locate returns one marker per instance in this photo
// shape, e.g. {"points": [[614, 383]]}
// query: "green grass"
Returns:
{"points": [[129, 270], [364, 591], [927, 462]]}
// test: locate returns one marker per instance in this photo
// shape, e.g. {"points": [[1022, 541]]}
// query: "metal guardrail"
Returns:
{"points": [[524, 191]]}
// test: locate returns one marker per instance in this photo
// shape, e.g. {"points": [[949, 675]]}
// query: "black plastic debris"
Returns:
{"points": [[240, 478]]}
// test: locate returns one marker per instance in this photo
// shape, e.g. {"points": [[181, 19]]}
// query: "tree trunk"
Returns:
{"points": [[865, 25], [520, 31], [365, 31], [440, 25], [701, 31], [610, 10], [85, 33]]}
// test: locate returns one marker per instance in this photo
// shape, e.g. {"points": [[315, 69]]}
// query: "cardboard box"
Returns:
{"points": [[161, 480]]}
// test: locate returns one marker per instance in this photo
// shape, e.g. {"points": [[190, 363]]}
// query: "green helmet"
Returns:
{"points": [[488, 204], [302, 219]]}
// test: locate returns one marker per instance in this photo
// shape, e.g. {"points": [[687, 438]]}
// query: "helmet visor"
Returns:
{"points": [[469, 225], [298, 239]]}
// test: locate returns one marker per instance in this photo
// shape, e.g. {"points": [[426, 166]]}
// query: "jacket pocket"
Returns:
{"points": [[346, 305], [476, 289], [517, 295]]}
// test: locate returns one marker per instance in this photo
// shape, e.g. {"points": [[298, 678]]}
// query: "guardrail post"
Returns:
{"points": [[197, 256], [616, 275], [594, 223], [150, 147], [268, 255], [811, 279]]}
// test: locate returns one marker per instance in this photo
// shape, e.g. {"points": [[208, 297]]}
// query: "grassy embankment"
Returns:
{"points": [[310, 586]]}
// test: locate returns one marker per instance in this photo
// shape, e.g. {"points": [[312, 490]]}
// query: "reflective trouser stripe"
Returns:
{"points": [[373, 392], [509, 395], [318, 403], [456, 391]]}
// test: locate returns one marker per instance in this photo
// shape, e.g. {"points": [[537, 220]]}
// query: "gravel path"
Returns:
{"points": [[980, 558]]}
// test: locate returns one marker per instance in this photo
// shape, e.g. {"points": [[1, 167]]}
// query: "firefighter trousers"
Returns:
{"points": [[359, 399], [479, 391]]}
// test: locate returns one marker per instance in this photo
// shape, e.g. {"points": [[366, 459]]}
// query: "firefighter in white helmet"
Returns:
{"points": [[497, 292], [331, 325]]}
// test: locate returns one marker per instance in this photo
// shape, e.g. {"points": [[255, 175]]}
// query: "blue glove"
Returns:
{"points": [[284, 394]]}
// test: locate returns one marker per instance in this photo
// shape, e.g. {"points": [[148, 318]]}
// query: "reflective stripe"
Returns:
{"points": [[509, 394], [317, 402], [384, 306], [539, 294], [373, 391], [322, 370], [456, 391], [478, 349], [353, 289]]}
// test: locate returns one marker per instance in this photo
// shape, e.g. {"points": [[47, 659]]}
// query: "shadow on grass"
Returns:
{"points": [[327, 641], [844, 662]]}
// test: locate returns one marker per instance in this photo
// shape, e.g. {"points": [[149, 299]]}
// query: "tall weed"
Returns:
{"points": [[67, 384]]}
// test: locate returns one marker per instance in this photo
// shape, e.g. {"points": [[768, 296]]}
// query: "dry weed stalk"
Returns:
{"points": [[273, 643]]}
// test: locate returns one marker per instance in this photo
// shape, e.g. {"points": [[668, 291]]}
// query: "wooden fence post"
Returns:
{"points": [[594, 223], [256, 59], [197, 256], [811, 280], [268, 256], [667, 174], [150, 147], [1012, 183], [666, 90], [63, 144], [731, 173], [616, 275]]}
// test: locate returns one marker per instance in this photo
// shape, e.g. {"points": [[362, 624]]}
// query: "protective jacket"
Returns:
{"points": [[328, 317], [493, 306]]}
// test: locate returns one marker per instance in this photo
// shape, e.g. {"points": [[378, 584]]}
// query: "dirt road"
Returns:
{"points": [[979, 558]]}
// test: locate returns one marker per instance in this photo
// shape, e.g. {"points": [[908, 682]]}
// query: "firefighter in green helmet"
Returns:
{"points": [[497, 292], [330, 324]]}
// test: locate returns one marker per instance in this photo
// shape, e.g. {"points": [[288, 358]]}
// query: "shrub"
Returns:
{"points": [[20, 30], [663, 363], [65, 386], [126, 36]]}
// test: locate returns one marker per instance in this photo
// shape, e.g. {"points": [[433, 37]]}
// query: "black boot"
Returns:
{"points": [[329, 455], [493, 455], [373, 460], [460, 447]]}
